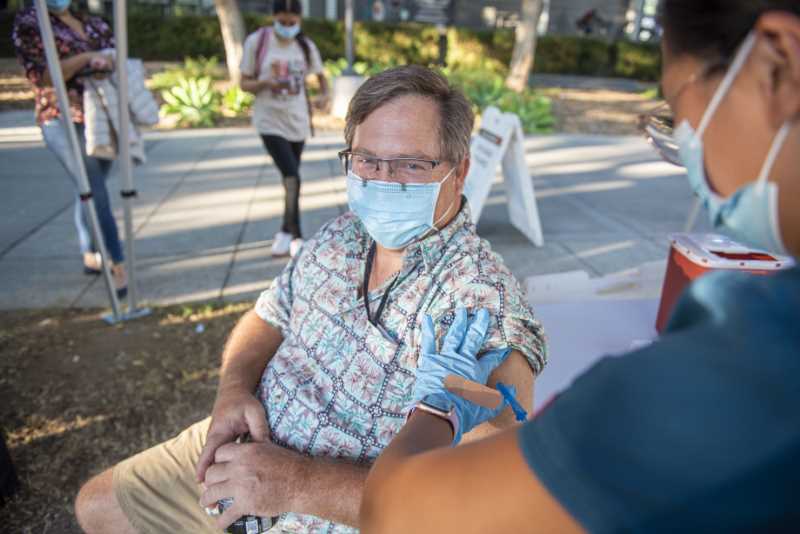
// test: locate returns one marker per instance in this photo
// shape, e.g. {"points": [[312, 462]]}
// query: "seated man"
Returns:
{"points": [[331, 347]]}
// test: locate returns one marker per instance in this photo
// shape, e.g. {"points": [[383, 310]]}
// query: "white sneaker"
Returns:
{"points": [[295, 246], [281, 244]]}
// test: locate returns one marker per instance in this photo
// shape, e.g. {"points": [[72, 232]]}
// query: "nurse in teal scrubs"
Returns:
{"points": [[698, 432]]}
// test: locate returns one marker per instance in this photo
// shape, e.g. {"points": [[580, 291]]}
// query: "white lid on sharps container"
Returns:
{"points": [[715, 251]]}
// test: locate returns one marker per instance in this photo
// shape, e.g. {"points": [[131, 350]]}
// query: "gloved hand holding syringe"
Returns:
{"points": [[451, 374]]}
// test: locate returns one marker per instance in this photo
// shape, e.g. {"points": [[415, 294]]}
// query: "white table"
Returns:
{"points": [[579, 333]]}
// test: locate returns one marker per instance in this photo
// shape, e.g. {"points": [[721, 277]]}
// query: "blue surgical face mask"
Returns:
{"points": [[58, 6], [394, 214], [750, 215], [286, 32]]}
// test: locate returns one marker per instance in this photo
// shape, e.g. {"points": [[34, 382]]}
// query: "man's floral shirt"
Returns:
{"points": [[338, 386]]}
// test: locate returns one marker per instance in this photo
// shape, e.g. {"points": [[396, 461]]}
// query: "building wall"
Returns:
{"points": [[560, 16], [564, 15], [486, 14], [469, 13]]}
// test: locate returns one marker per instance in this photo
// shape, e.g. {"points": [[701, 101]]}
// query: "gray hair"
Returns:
{"points": [[455, 112]]}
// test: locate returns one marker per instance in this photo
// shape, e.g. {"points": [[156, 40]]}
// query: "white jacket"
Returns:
{"points": [[101, 113]]}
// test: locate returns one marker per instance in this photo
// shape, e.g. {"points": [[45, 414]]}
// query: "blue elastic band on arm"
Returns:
{"points": [[519, 412]]}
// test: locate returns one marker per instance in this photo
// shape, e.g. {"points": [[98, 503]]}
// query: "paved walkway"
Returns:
{"points": [[210, 201]]}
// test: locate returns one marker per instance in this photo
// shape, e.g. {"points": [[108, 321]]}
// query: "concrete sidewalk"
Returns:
{"points": [[211, 200]]}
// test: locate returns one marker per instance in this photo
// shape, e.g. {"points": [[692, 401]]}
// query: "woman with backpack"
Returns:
{"points": [[275, 63]]}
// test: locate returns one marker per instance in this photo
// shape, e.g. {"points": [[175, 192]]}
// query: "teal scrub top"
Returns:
{"points": [[698, 432]]}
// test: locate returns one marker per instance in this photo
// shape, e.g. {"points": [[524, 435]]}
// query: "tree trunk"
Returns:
{"points": [[232, 25], [524, 45]]}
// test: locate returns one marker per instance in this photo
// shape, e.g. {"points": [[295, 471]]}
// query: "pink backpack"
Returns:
{"points": [[263, 45]]}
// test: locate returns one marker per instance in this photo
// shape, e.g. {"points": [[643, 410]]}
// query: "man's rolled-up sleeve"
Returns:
{"points": [[508, 328], [274, 305], [520, 332]]}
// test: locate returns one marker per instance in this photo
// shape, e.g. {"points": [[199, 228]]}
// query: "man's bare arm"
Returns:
{"points": [[266, 479], [250, 346], [517, 372], [332, 489]]}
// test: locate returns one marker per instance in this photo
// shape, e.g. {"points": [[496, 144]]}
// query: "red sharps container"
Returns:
{"points": [[693, 255]]}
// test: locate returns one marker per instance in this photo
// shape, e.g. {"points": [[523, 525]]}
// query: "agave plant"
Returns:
{"points": [[193, 100], [236, 101]]}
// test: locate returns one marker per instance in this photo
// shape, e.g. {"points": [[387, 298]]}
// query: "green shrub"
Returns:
{"points": [[653, 93], [484, 89], [335, 67], [6, 26], [593, 57], [201, 66], [236, 101], [572, 55], [155, 37], [638, 60], [470, 49], [194, 101], [192, 68], [534, 111]]}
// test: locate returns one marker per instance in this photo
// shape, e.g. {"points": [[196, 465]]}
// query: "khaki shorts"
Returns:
{"points": [[157, 488]]}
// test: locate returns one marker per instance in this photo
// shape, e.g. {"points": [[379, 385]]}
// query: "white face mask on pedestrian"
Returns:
{"points": [[58, 6], [750, 214], [286, 32]]}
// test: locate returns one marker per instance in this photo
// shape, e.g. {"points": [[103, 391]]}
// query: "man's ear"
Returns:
{"points": [[778, 56], [461, 174]]}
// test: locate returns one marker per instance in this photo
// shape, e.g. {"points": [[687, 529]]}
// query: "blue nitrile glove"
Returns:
{"points": [[460, 347]]}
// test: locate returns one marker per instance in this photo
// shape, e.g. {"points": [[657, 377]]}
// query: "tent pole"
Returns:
{"points": [[128, 191], [54, 67]]}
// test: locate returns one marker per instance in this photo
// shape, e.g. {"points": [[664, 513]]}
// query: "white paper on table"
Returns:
{"points": [[586, 319]]}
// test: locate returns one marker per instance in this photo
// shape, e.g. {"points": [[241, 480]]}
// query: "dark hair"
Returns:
{"points": [[713, 29], [294, 7], [302, 40], [287, 6], [455, 113]]}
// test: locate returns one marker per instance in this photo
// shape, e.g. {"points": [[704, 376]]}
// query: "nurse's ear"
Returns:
{"points": [[777, 64]]}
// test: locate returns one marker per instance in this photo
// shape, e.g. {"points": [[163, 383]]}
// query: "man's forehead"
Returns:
{"points": [[407, 126], [413, 154]]}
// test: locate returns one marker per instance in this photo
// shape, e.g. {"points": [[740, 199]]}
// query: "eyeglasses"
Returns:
{"points": [[404, 170], [658, 127]]}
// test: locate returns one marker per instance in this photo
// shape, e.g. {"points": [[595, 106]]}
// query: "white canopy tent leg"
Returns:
{"points": [[124, 154], [54, 67]]}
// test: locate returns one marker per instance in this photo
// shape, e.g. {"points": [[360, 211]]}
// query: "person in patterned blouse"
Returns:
{"points": [[79, 40], [320, 372]]}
